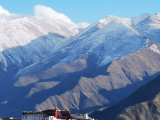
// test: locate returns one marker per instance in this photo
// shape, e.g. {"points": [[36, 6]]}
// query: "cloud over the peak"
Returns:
{"points": [[83, 25], [7, 16], [43, 12], [3, 11]]}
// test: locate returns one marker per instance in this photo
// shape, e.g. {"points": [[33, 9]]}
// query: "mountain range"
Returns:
{"points": [[44, 63]]}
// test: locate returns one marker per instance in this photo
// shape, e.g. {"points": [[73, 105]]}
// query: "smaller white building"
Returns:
{"points": [[81, 116]]}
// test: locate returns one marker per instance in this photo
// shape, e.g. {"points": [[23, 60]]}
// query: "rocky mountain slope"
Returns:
{"points": [[43, 66], [143, 104], [72, 86]]}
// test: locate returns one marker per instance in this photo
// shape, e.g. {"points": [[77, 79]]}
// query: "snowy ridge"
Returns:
{"points": [[27, 40], [22, 31], [110, 18], [115, 34]]}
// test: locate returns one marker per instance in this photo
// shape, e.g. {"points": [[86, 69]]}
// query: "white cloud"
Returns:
{"points": [[43, 12], [83, 25], [3, 11], [7, 16]]}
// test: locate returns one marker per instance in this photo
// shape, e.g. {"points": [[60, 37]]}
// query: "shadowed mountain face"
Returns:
{"points": [[96, 68], [81, 86], [144, 104]]}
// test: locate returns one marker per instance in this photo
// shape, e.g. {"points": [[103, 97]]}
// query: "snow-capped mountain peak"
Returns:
{"points": [[155, 18], [22, 31], [110, 18]]}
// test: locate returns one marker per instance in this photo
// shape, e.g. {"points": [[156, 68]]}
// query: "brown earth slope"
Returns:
{"points": [[144, 104]]}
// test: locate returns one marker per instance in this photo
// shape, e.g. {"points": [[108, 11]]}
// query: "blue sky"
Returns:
{"points": [[86, 10]]}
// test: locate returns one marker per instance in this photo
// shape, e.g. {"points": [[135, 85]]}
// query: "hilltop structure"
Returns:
{"points": [[53, 114]]}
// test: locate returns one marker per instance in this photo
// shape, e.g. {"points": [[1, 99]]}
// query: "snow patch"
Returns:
{"points": [[122, 58], [154, 48], [5, 102], [3, 61], [103, 22]]}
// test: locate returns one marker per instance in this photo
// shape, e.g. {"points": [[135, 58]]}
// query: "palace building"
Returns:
{"points": [[53, 114]]}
